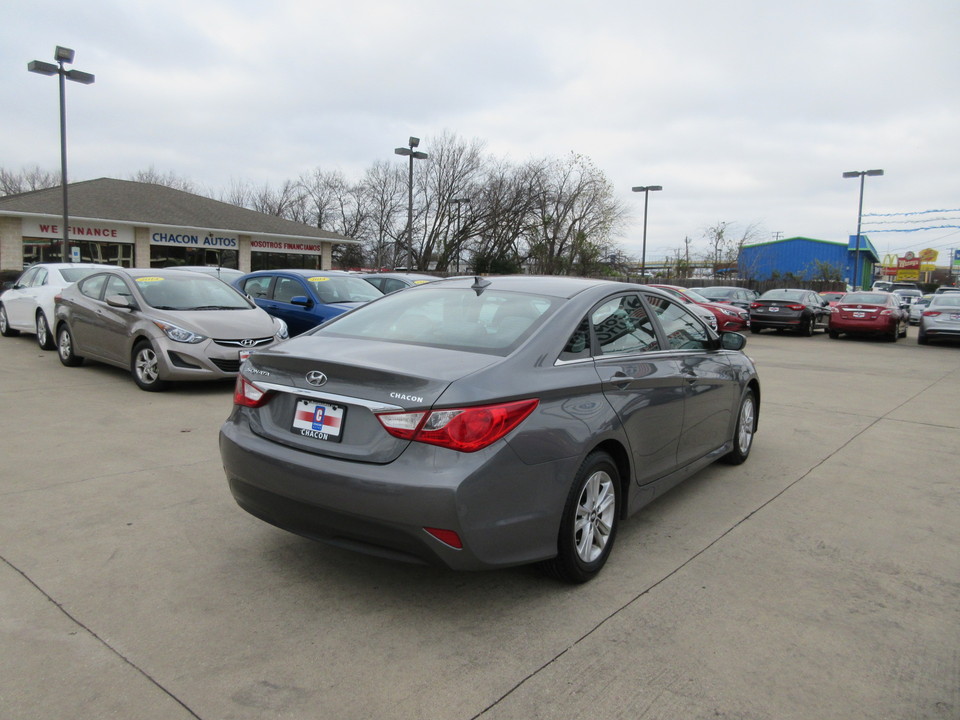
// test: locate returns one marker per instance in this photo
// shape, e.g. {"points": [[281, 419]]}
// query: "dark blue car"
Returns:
{"points": [[306, 298]]}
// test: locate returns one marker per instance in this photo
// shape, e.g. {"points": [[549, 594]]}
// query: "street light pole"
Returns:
{"points": [[458, 202], [62, 55], [413, 142], [646, 190], [860, 174]]}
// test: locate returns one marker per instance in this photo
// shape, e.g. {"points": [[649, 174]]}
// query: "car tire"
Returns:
{"points": [[834, 335], [5, 328], [922, 339], [743, 433], [810, 326], [755, 330], [44, 335], [895, 335], [65, 348], [588, 526], [906, 328], [145, 367]]}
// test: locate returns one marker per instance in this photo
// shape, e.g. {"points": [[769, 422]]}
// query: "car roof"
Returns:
{"points": [[398, 275], [553, 285], [304, 273]]}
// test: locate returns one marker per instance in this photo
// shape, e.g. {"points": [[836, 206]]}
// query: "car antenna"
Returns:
{"points": [[479, 284]]}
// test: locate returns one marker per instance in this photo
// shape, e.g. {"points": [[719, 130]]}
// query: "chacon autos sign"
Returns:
{"points": [[193, 238]]}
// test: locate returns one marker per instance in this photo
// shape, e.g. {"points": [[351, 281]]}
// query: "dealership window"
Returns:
{"points": [[173, 255], [38, 250], [282, 261]]}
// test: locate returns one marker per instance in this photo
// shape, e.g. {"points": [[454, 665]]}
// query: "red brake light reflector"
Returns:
{"points": [[463, 429], [447, 537], [247, 394]]}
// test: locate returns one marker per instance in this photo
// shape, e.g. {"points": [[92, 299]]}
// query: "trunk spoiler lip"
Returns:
{"points": [[372, 405]]}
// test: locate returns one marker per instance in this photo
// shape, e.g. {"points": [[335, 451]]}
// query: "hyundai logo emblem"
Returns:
{"points": [[315, 377], [248, 343]]}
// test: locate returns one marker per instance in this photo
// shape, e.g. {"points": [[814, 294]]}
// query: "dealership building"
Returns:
{"points": [[135, 224]]}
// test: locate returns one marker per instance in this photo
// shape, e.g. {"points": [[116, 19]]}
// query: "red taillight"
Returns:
{"points": [[447, 537], [462, 429], [755, 305], [795, 307], [247, 394], [931, 313]]}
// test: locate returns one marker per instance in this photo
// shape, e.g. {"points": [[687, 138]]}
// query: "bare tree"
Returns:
{"points": [[576, 215], [155, 177], [26, 180]]}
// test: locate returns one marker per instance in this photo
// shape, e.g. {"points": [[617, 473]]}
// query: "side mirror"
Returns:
{"points": [[301, 300], [733, 341], [121, 301]]}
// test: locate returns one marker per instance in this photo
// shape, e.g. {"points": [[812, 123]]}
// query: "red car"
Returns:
{"points": [[832, 296], [730, 318], [870, 313]]}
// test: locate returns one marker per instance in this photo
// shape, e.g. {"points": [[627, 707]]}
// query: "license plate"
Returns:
{"points": [[859, 314], [244, 354], [321, 421], [773, 309], [955, 316]]}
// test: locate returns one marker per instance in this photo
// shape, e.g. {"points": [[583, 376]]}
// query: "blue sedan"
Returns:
{"points": [[306, 298]]}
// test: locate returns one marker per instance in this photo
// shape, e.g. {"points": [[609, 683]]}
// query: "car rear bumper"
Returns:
{"points": [[504, 512], [865, 327]]}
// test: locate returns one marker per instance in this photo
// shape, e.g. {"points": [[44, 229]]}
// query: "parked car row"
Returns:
{"points": [[472, 422]]}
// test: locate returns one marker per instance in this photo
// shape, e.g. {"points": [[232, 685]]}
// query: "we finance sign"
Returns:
{"points": [[78, 230]]}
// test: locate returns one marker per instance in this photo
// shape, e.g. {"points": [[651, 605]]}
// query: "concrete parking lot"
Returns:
{"points": [[819, 580]]}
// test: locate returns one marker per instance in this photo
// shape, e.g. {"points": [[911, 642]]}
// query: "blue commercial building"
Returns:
{"points": [[806, 258]]}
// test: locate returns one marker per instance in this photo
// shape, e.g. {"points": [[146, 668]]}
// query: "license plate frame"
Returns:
{"points": [[318, 420]]}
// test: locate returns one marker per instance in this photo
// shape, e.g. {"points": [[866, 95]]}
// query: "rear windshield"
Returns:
{"points": [[74, 274], [783, 295], [494, 322], [865, 298], [947, 299]]}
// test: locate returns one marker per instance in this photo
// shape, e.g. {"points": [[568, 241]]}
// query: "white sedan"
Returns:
{"points": [[28, 305]]}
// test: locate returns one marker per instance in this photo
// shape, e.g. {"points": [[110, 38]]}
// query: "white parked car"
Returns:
{"points": [[28, 305], [917, 308]]}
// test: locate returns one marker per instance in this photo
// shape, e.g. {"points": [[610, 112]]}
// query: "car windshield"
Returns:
{"points": [[946, 300], [337, 289], [783, 295], [74, 274], [865, 298], [831, 295], [493, 322], [191, 291], [717, 292]]}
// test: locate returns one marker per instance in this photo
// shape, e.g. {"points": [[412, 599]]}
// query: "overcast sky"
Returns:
{"points": [[746, 111]]}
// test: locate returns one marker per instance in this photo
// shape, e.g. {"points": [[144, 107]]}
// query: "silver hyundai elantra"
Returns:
{"points": [[164, 325]]}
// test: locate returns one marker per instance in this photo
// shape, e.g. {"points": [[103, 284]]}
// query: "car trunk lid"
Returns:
{"points": [[327, 391]]}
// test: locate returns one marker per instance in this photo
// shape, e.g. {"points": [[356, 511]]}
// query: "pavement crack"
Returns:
{"points": [[92, 633]]}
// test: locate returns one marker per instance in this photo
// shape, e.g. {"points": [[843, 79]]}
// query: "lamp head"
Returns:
{"points": [[42, 68], [414, 142], [64, 55]]}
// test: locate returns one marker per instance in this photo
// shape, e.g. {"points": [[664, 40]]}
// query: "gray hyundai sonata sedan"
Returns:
{"points": [[162, 324], [487, 422]]}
